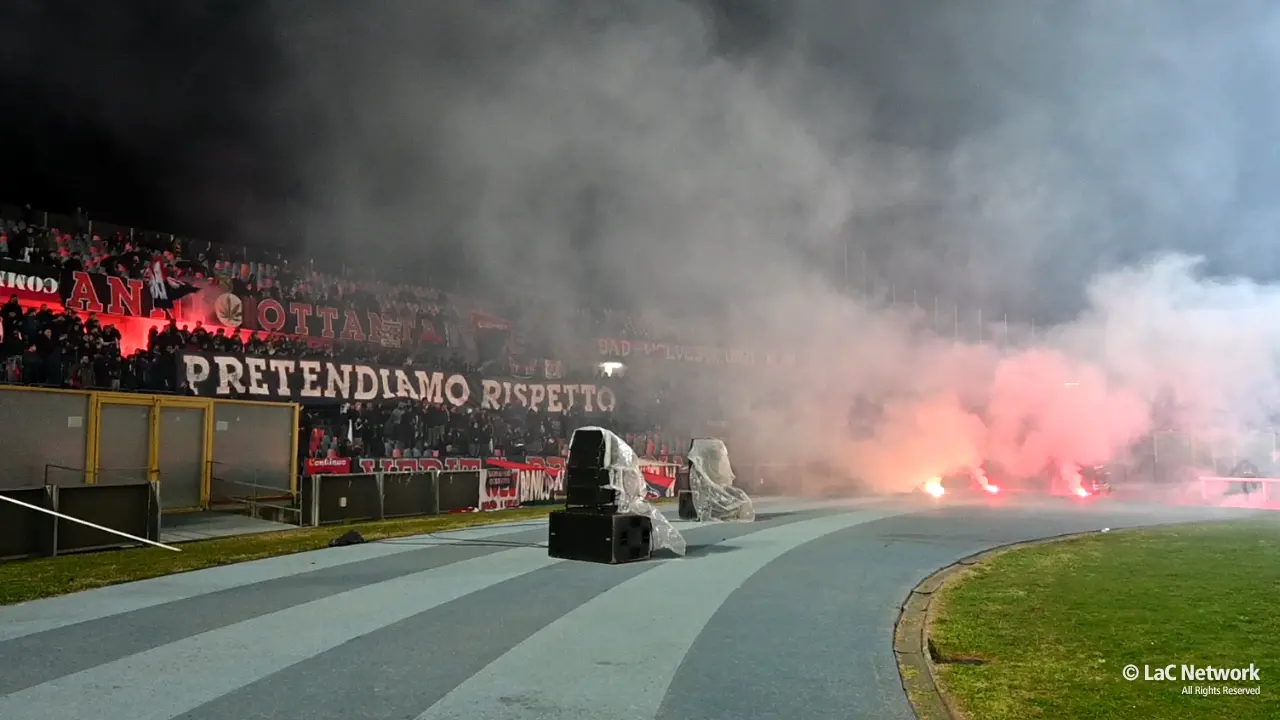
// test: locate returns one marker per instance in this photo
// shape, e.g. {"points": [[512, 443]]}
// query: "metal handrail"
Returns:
{"points": [[256, 486], [253, 502], [97, 473]]}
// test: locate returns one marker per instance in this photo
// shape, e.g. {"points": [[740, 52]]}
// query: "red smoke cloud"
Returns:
{"points": [[1158, 342], [1046, 409]]}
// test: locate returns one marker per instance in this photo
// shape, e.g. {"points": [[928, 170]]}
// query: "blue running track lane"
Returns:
{"points": [[788, 617]]}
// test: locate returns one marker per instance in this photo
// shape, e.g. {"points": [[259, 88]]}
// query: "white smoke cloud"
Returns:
{"points": [[1005, 156]]}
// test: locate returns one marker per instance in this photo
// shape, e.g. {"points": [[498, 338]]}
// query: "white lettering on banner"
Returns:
{"points": [[666, 467], [498, 489], [29, 283], [705, 354], [506, 488], [229, 373], [327, 462], [257, 384], [538, 485], [195, 369], [218, 375], [457, 389], [553, 397], [368, 465]]}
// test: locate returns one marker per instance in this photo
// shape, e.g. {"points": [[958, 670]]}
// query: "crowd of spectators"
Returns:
{"points": [[124, 256], [55, 347], [60, 348], [416, 430], [43, 346], [128, 255]]}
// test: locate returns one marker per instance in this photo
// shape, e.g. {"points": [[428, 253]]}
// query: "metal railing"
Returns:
{"points": [[1245, 487], [258, 500], [66, 475]]}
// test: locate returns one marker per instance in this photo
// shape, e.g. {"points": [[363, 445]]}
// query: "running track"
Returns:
{"points": [[789, 617]]}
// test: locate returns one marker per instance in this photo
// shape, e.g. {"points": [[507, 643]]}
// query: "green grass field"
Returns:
{"points": [[1056, 624], [24, 580]]}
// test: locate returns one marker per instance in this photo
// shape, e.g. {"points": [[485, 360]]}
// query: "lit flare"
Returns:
{"points": [[934, 487]]}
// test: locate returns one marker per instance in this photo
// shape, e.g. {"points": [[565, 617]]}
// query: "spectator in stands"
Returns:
{"points": [[424, 429], [48, 347], [44, 347]]}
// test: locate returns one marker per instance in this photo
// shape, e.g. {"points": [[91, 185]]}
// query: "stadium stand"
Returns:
{"points": [[47, 344]]}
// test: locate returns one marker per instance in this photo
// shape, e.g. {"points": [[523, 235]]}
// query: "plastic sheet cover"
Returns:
{"points": [[626, 479], [711, 480]]}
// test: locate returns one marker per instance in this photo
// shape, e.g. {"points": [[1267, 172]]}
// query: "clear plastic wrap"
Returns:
{"points": [[711, 480], [632, 490]]}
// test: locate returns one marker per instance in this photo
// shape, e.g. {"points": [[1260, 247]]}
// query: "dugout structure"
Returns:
{"points": [[196, 451]]}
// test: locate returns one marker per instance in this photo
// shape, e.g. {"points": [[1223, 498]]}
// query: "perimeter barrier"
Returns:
{"points": [[129, 508], [355, 497], [340, 498], [1218, 488]]}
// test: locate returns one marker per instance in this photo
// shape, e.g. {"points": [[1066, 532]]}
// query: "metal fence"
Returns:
{"points": [[69, 438], [1166, 458], [357, 497], [50, 520]]}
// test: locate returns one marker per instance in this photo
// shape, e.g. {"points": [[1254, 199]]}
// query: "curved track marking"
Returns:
{"points": [[29, 661], [791, 616], [165, 682], [398, 671], [41, 616], [615, 655]]}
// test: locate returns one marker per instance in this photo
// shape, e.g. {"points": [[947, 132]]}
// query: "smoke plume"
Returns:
{"points": [[1016, 232]]}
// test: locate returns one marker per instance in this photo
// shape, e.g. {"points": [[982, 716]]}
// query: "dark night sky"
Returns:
{"points": [[1140, 128], [154, 114], [142, 115], [163, 115]]}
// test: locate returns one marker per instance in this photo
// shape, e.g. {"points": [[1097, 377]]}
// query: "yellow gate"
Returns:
{"points": [[189, 445], [147, 437]]}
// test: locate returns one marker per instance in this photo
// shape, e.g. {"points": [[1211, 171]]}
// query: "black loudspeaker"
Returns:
{"points": [[686, 508], [586, 474], [682, 478], [588, 488], [599, 538], [587, 449]]}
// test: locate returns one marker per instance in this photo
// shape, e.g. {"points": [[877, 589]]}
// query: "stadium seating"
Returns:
{"points": [[54, 347]]}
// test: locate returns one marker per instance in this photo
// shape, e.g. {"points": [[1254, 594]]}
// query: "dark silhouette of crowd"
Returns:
{"points": [[52, 347], [424, 430], [68, 349]]}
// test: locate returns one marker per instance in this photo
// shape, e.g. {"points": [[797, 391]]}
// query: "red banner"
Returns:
{"points": [[485, 321], [327, 466], [34, 283], [660, 478], [626, 350], [368, 465], [333, 321], [107, 295]]}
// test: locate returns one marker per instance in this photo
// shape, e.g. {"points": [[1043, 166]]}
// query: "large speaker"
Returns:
{"points": [[686, 507], [599, 537], [588, 488], [587, 472], [682, 477], [588, 449]]}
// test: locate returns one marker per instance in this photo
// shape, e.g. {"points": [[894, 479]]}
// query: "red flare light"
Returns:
{"points": [[1081, 492], [992, 489]]}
